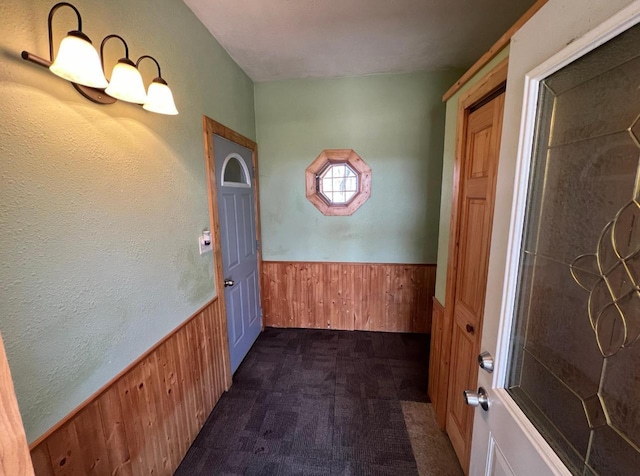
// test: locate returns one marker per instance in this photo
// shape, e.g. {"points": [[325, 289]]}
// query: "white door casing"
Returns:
{"points": [[504, 441]]}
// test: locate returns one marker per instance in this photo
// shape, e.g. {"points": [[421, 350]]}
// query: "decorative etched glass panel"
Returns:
{"points": [[575, 358]]}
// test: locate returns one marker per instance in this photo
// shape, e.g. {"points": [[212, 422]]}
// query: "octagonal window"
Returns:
{"points": [[338, 182]]}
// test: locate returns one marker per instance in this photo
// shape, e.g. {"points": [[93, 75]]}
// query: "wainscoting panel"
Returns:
{"points": [[144, 421], [348, 296]]}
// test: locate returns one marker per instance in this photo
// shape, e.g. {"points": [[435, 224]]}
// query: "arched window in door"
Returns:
{"points": [[235, 172]]}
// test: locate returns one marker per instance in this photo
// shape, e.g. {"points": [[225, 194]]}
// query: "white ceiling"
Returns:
{"points": [[287, 39]]}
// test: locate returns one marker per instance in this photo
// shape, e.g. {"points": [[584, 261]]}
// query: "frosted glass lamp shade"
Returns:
{"points": [[78, 61], [126, 83], [160, 98]]}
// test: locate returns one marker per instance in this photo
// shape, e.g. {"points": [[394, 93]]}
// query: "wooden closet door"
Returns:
{"points": [[477, 191]]}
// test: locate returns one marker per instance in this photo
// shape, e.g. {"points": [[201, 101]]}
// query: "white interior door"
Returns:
{"points": [[505, 441]]}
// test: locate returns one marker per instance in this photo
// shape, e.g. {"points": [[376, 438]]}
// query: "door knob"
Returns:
{"points": [[485, 361], [470, 329], [479, 399], [228, 282]]}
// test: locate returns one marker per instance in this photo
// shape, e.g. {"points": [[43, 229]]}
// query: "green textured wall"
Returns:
{"points": [[447, 174], [101, 206], [395, 123]]}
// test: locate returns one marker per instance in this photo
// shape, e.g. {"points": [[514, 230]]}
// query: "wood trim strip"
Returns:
{"points": [[210, 127], [348, 296], [256, 203], [497, 47], [145, 420], [350, 262], [438, 365], [118, 376], [489, 84], [225, 132], [14, 451]]}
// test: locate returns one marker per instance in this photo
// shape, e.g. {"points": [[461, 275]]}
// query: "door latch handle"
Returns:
{"points": [[479, 399], [229, 282], [485, 361]]}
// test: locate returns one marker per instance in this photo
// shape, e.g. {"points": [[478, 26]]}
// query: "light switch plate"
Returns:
{"points": [[202, 242]]}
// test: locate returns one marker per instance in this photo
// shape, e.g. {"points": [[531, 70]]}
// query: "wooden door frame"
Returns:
{"points": [[211, 127], [489, 85], [14, 451]]}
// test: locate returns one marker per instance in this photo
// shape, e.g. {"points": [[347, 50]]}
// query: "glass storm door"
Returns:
{"points": [[575, 367], [565, 397]]}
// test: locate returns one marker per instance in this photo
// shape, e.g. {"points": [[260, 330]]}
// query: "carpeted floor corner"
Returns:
{"points": [[324, 402]]}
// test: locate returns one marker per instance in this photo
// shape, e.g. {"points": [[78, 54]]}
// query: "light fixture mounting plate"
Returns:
{"points": [[92, 94]]}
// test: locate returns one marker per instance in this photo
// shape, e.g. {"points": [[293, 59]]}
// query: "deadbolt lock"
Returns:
{"points": [[485, 361]]}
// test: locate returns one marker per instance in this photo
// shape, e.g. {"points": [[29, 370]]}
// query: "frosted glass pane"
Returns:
{"points": [[338, 197], [597, 175], [614, 94]]}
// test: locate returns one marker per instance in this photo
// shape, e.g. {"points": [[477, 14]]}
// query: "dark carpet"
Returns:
{"points": [[316, 402]]}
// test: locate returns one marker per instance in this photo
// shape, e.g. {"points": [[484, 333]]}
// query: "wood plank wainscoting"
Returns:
{"points": [[145, 419], [348, 296]]}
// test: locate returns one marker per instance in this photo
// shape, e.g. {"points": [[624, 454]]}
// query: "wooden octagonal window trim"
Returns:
{"points": [[338, 182]]}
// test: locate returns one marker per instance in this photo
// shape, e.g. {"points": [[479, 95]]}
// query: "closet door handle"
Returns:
{"points": [[470, 329]]}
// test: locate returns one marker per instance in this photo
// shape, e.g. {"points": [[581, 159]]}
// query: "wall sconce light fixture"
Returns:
{"points": [[78, 61], [159, 97], [126, 82]]}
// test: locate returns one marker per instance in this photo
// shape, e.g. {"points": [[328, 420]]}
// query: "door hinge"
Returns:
{"points": [[257, 245]]}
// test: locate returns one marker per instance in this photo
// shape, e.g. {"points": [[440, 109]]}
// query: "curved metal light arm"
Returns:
{"points": [[106, 38], [152, 59], [53, 10]]}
